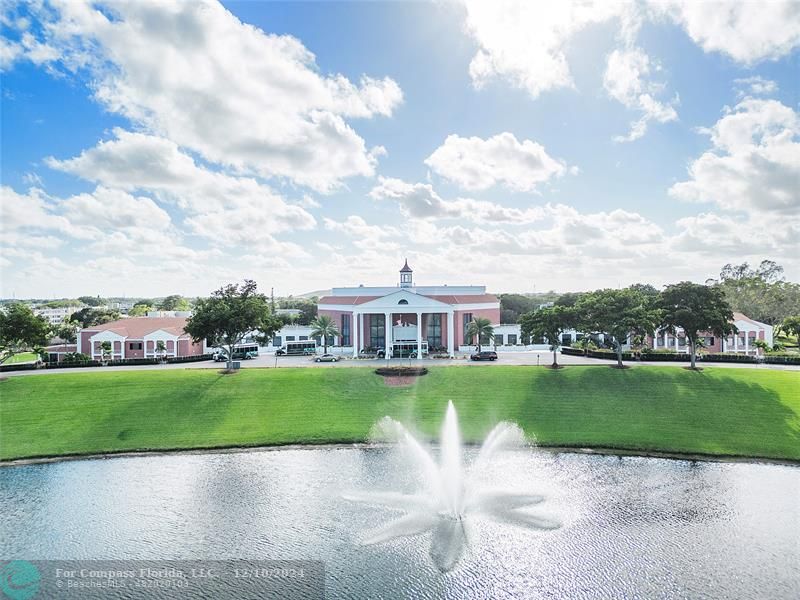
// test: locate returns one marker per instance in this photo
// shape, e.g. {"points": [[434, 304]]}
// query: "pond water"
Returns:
{"points": [[631, 527]]}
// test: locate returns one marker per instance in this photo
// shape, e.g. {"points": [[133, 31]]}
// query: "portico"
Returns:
{"points": [[407, 319], [397, 310]]}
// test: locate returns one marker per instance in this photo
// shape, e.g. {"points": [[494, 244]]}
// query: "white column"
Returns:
{"points": [[387, 320], [676, 341], [736, 342], [419, 335], [362, 335], [747, 342], [450, 334], [354, 333]]}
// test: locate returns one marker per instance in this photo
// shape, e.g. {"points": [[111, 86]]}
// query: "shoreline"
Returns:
{"points": [[599, 451]]}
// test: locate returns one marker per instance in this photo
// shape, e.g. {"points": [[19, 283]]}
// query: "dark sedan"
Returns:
{"points": [[485, 355]]}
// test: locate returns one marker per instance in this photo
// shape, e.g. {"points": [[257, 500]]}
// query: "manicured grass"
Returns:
{"points": [[720, 411], [22, 357]]}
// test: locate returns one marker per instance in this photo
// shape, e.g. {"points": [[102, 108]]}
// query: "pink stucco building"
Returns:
{"points": [[425, 317], [138, 337]]}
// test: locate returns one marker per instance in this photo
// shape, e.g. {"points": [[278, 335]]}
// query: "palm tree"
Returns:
{"points": [[325, 328], [161, 349], [480, 327]]}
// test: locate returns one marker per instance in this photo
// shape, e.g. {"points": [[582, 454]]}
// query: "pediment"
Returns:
{"points": [[403, 300]]}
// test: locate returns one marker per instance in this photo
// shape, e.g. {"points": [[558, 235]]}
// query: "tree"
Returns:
{"points": [[325, 328], [174, 302], [67, 330], [791, 326], [88, 317], [618, 314], [105, 350], [694, 308], [480, 328], [307, 306], [569, 299], [161, 349], [92, 300], [761, 293], [140, 309], [21, 330], [549, 323], [513, 306], [230, 314]]}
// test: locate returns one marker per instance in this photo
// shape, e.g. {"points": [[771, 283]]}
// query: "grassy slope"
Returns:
{"points": [[718, 411], [21, 358]]}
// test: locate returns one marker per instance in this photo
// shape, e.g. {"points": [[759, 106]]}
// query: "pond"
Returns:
{"points": [[630, 527]]}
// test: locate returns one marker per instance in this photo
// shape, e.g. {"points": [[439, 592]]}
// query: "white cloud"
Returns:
{"points": [[193, 73], [626, 80], [755, 86], [525, 41], [748, 32], [420, 201], [135, 161], [754, 163], [477, 164]]}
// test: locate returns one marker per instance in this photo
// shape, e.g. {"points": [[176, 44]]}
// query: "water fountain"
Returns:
{"points": [[451, 492]]}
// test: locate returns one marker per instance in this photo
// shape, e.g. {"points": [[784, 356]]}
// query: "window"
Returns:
{"points": [[345, 332], [403, 301], [498, 339], [289, 338], [277, 341], [566, 339], [134, 345], [303, 337], [512, 339], [467, 318], [434, 331], [377, 331], [660, 341]]}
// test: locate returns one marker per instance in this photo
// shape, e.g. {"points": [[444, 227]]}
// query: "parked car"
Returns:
{"points": [[326, 358], [485, 355]]}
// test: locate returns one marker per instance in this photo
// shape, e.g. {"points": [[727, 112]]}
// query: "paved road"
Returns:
{"points": [[509, 358]]}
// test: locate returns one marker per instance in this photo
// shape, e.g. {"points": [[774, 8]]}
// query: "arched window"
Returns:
{"points": [[403, 301]]}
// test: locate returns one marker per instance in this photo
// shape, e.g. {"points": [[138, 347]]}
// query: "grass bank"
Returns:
{"points": [[736, 412]]}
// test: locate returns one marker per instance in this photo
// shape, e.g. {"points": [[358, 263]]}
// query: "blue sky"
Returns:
{"points": [[150, 149]]}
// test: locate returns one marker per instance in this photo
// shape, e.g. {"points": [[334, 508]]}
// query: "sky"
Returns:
{"points": [[151, 148]]}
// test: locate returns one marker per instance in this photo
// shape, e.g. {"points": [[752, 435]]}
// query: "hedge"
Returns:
{"points": [[97, 363]]}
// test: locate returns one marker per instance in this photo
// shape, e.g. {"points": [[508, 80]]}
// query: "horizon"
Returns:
{"points": [[316, 145]]}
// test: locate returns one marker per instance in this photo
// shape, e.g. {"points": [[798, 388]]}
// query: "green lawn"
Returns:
{"points": [[21, 358], [719, 411]]}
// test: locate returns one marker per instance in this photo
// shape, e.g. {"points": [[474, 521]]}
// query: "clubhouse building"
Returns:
{"points": [[407, 318], [139, 337]]}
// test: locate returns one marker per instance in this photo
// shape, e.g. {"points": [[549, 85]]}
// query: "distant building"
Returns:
{"points": [[748, 331], [138, 337], [407, 316], [56, 316]]}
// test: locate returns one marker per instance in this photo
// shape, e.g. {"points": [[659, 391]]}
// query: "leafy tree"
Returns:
{"points": [[762, 345], [92, 300], [325, 328], [66, 303], [618, 314], [230, 314], [569, 299], [307, 306], [791, 326], [67, 330], [512, 306], [480, 328], [174, 302], [549, 323], [761, 293], [88, 317], [21, 330], [161, 348], [105, 350], [694, 308], [139, 310]]}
